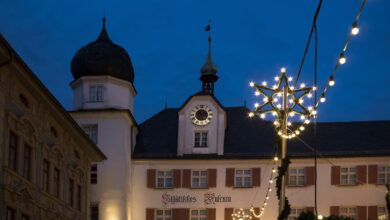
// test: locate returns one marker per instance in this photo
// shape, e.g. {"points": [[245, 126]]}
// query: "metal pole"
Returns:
{"points": [[284, 117]]}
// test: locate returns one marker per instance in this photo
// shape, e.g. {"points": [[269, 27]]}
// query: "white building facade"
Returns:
{"points": [[205, 161]]}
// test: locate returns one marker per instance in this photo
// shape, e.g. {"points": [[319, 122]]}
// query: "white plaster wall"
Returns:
{"points": [[216, 128], [328, 195], [117, 93], [114, 174]]}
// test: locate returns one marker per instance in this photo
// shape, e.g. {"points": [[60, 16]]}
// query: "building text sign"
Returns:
{"points": [[209, 198]]}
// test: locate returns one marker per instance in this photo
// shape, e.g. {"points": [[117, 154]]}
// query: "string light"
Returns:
{"points": [[322, 99], [355, 28], [342, 58], [331, 81]]}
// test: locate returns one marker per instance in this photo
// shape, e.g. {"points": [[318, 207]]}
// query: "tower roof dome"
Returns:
{"points": [[102, 57]]}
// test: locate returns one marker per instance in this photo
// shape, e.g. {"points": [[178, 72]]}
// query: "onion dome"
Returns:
{"points": [[102, 57]]}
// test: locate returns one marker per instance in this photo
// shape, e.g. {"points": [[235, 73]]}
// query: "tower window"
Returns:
{"points": [[96, 93], [94, 210], [200, 139], [94, 174], [92, 132]]}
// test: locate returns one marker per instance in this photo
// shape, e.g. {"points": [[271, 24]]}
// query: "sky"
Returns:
{"points": [[252, 40]]}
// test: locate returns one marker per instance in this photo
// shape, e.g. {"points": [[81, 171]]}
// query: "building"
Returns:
{"points": [[45, 156]]}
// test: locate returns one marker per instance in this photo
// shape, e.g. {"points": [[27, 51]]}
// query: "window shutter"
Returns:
{"points": [[373, 212], [256, 176], [176, 178], [180, 214], [151, 178], [229, 177], [228, 212], [186, 178], [361, 174], [335, 210], [361, 213], [212, 177], [310, 176], [211, 214], [149, 214], [335, 175], [373, 174]]}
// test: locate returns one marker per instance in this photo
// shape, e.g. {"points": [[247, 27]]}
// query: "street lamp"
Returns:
{"points": [[284, 102]]}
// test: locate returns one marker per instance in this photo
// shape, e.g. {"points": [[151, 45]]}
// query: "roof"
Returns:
{"points": [[255, 138], [98, 154]]}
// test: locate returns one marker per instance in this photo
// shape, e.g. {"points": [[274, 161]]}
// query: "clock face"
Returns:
{"points": [[201, 115]]}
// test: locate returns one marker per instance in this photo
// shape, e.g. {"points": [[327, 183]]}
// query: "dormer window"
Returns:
{"points": [[200, 139], [96, 93]]}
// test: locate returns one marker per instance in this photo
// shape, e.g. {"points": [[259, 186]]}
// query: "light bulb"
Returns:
{"points": [[265, 99], [276, 123], [264, 83], [320, 217], [302, 128], [290, 79], [262, 116], [251, 84], [279, 106], [279, 94], [292, 114], [256, 105], [273, 170], [355, 28], [276, 78], [314, 112], [310, 108], [251, 114], [257, 93], [276, 158], [283, 70], [309, 95], [289, 123], [322, 99], [274, 114], [291, 101], [303, 117], [300, 101], [292, 87], [297, 132], [307, 121], [269, 190], [331, 81], [314, 88], [275, 100], [342, 58], [303, 85], [274, 87], [271, 181]]}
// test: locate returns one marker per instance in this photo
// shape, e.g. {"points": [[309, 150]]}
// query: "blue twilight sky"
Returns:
{"points": [[252, 40]]}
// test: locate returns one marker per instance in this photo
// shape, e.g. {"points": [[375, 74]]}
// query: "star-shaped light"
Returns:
{"points": [[283, 100], [241, 214]]}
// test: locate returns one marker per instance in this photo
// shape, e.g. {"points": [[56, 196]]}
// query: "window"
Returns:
{"points": [[296, 177], [348, 175], [27, 156], [92, 132], [13, 151], [383, 174], [11, 214], [382, 213], [94, 211], [243, 178], [348, 212], [94, 174], [163, 214], [199, 214], [45, 176], [200, 139], [294, 213], [70, 192], [96, 93], [164, 179], [25, 217], [79, 197], [199, 179], [56, 182]]}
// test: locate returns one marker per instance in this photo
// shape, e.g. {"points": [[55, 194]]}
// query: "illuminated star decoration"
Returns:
{"points": [[241, 214], [275, 103]]}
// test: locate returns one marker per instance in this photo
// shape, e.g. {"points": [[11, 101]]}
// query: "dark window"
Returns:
{"points": [[56, 182], [27, 156], [53, 130], [71, 192], [200, 139], [94, 212], [79, 197], [11, 214], [13, 151], [45, 176], [94, 174], [24, 101], [25, 217]]}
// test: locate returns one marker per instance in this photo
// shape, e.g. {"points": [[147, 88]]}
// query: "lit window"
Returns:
{"points": [[294, 213], [348, 175], [92, 132], [163, 214], [94, 211], [199, 179], [45, 176], [164, 179], [348, 212], [94, 174], [27, 156], [199, 214], [96, 93], [12, 151], [200, 139], [296, 177], [383, 174], [382, 213], [56, 182], [243, 178]]}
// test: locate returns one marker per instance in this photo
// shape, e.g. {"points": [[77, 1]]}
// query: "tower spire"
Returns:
{"points": [[103, 34], [208, 70]]}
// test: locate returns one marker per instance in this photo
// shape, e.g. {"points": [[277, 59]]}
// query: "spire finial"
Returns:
{"points": [[103, 34], [209, 70]]}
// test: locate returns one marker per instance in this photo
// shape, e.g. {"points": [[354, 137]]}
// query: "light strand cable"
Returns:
{"points": [[315, 119]]}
